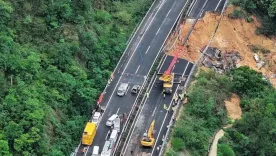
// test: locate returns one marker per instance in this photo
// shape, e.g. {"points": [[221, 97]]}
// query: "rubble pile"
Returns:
{"points": [[219, 61]]}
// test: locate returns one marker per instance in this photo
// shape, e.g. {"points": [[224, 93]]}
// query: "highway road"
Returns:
{"points": [[136, 63], [212, 5], [153, 107]]}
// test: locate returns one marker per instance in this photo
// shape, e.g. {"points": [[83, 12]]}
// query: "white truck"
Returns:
{"points": [[109, 145], [117, 124]]}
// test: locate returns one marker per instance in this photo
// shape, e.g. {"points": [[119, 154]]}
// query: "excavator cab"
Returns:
{"points": [[148, 138]]}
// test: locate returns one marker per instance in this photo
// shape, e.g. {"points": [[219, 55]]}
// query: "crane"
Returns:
{"points": [[168, 76], [148, 138]]}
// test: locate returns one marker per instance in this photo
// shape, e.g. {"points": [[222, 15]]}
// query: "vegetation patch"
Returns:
{"points": [[203, 115], [254, 133], [55, 60], [265, 10]]}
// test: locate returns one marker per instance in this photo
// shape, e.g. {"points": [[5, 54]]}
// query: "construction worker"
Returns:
{"points": [[165, 107]]}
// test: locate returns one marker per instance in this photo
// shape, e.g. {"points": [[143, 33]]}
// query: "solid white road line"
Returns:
{"points": [[168, 12], [147, 50], [153, 111], [117, 111], [137, 69], [218, 5], [192, 8], [167, 112]]}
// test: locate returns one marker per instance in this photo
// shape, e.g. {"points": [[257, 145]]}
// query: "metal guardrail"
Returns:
{"points": [[188, 82]]}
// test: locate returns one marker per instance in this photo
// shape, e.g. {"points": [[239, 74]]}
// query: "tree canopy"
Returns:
{"points": [[55, 59]]}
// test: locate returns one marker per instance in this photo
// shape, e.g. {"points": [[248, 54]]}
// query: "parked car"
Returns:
{"points": [[135, 89], [122, 89], [96, 118]]}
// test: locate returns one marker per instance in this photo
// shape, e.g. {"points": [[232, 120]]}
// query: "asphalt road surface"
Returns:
{"points": [[212, 5], [136, 64], [153, 107]]}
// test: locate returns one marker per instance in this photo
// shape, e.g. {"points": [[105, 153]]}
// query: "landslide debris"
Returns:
{"points": [[233, 35]]}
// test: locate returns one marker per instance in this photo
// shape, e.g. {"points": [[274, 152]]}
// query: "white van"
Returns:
{"points": [[111, 119], [96, 151], [122, 89]]}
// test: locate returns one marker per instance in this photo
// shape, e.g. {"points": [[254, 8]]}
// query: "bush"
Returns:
{"points": [[225, 150], [236, 14], [177, 144], [249, 19]]}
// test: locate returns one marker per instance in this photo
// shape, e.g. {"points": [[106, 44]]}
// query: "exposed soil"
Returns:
{"points": [[233, 107], [232, 35]]}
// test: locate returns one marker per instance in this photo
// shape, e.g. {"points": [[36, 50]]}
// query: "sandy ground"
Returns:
{"points": [[232, 34], [233, 107]]}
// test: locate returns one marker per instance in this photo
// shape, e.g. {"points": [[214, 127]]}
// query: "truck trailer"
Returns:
{"points": [[89, 133]]}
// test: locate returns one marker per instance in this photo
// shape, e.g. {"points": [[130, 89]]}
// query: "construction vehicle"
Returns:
{"points": [[168, 77], [89, 133], [148, 137]]}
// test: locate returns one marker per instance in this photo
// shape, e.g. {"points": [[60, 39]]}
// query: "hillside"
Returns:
{"points": [[56, 57], [243, 122], [232, 35]]}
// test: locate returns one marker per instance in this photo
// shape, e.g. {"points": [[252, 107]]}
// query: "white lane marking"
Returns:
{"points": [[133, 52], [130, 59], [127, 90], [131, 133], [117, 111], [157, 31], [167, 113], [150, 68], [107, 135], [153, 111], [147, 49], [137, 69], [168, 12], [201, 14], [192, 7], [173, 68], [218, 5]]}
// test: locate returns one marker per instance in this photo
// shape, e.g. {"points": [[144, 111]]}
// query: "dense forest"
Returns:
{"points": [[255, 132], [55, 59], [265, 10], [204, 114]]}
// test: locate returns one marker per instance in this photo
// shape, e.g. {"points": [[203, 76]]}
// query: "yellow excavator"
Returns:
{"points": [[148, 138]]}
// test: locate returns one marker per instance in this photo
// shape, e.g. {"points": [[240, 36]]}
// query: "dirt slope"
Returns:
{"points": [[233, 107], [232, 34]]}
